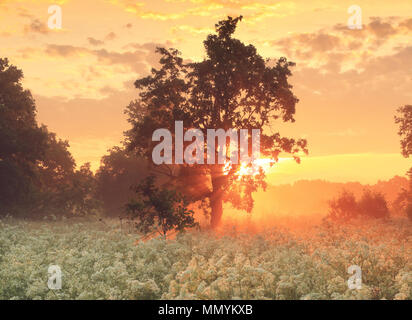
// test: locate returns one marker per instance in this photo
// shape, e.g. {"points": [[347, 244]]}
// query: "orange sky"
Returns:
{"points": [[349, 82]]}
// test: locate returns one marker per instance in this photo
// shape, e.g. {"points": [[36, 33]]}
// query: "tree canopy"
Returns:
{"points": [[233, 87], [22, 141], [404, 120], [38, 174]]}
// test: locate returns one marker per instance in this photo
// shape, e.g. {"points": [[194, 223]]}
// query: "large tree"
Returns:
{"points": [[38, 174], [232, 88], [22, 141], [61, 188], [404, 120]]}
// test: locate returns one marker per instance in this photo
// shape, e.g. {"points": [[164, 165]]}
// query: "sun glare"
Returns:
{"points": [[246, 169]]}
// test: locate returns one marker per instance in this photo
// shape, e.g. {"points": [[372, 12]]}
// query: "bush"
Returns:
{"points": [[371, 205], [159, 209], [344, 207]]}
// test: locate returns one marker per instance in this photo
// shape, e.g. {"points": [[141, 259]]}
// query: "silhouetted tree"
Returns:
{"points": [[22, 141], [233, 87], [61, 189], [37, 172], [404, 120], [53, 172]]}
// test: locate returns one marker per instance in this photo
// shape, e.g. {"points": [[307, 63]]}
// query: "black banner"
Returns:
{"points": [[211, 309]]}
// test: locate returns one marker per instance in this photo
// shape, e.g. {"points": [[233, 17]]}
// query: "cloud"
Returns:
{"points": [[95, 42], [110, 36], [252, 10], [316, 42], [352, 108], [92, 126], [340, 47], [407, 24], [65, 50], [161, 16], [191, 30], [395, 64], [378, 27], [377, 74], [134, 60], [139, 60], [36, 26], [381, 29], [80, 71]]}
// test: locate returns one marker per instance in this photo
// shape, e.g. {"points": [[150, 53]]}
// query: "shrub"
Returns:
{"points": [[373, 205], [159, 209], [344, 207]]}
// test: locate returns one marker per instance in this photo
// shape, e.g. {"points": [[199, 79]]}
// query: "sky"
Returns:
{"points": [[349, 81]]}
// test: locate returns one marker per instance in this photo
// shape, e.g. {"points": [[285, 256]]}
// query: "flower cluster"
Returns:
{"points": [[100, 261]]}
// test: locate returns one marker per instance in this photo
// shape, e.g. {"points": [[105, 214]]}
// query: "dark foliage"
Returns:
{"points": [[37, 172], [159, 209], [404, 120], [344, 207], [371, 205], [233, 87], [119, 170], [22, 141]]}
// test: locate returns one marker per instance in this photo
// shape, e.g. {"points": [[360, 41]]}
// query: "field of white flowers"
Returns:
{"points": [[99, 260]]}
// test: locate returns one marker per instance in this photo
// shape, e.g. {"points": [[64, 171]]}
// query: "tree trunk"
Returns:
{"points": [[216, 203], [216, 198]]}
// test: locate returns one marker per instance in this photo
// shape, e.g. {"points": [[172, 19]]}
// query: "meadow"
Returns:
{"points": [[104, 260]]}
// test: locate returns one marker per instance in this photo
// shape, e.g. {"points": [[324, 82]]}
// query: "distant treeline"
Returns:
{"points": [[314, 195]]}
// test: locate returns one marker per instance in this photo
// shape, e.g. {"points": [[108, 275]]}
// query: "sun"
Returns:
{"points": [[246, 169]]}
